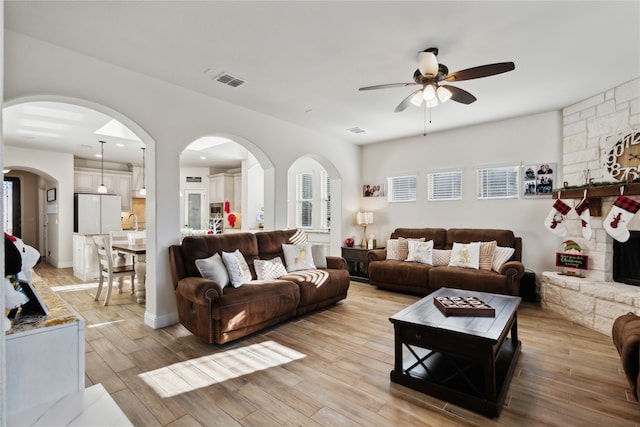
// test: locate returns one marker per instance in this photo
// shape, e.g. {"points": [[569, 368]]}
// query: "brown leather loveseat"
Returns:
{"points": [[419, 278], [219, 315]]}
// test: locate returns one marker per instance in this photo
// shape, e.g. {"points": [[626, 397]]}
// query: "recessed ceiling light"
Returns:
{"points": [[119, 144]]}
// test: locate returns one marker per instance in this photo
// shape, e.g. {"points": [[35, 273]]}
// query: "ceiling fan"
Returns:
{"points": [[430, 74]]}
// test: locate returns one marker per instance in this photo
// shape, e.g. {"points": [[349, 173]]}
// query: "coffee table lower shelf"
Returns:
{"points": [[458, 380]]}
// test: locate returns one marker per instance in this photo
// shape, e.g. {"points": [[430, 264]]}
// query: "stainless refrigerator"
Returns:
{"points": [[96, 213]]}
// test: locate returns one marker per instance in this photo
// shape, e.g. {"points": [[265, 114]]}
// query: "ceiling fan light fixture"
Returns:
{"points": [[432, 103], [444, 94], [417, 99], [429, 93], [427, 64]]}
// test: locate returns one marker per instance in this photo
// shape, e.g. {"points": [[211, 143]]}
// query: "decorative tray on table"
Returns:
{"points": [[463, 306]]}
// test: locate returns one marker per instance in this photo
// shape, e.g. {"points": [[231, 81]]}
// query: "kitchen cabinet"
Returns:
{"points": [[117, 182], [221, 188], [85, 257]]}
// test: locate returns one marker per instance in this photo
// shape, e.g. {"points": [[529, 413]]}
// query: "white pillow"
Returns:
{"points": [[237, 268], [500, 256], [403, 247], [465, 255], [298, 257], [319, 256], [421, 252], [441, 257], [269, 269], [213, 268]]}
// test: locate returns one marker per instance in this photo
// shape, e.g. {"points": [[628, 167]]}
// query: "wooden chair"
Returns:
{"points": [[108, 269]]}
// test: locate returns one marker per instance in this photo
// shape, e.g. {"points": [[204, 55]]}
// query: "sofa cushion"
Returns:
{"points": [[319, 256], [319, 286], [394, 272], [269, 269], [465, 255], [298, 257], [487, 250], [213, 268], [420, 252], [441, 257], [466, 278], [500, 256], [237, 267]]}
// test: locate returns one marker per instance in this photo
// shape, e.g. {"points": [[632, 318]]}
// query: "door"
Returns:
{"points": [[195, 210], [11, 204]]}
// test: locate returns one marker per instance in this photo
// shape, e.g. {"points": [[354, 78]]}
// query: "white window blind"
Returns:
{"points": [[444, 185], [402, 188], [498, 183], [304, 195], [326, 200]]}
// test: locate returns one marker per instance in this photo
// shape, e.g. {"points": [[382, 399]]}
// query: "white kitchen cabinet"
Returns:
{"points": [[124, 182], [85, 257], [221, 188], [87, 180]]}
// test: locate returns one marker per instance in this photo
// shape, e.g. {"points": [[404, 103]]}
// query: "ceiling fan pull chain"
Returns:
{"points": [[424, 133]]}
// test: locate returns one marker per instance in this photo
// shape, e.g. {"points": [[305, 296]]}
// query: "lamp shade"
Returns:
{"points": [[364, 218]]}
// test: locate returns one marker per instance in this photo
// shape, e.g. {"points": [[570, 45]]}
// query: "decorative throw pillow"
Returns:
{"points": [[465, 255], [237, 268], [298, 238], [392, 249], [421, 252], [441, 257], [213, 268], [298, 257], [501, 255], [487, 249], [319, 256], [269, 269], [403, 247]]}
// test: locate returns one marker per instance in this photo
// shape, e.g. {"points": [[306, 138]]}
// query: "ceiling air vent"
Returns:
{"points": [[229, 80], [356, 129]]}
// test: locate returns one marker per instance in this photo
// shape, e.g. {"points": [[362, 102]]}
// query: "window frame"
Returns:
{"points": [[488, 188], [455, 194], [411, 192]]}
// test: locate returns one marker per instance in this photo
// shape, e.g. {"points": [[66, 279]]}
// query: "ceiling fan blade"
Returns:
{"points": [[387, 86], [460, 95], [481, 71], [405, 102]]}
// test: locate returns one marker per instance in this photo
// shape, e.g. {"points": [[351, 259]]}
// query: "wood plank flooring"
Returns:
{"points": [[331, 368]]}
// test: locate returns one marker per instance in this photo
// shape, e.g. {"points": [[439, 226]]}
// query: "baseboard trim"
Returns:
{"points": [[159, 322]]}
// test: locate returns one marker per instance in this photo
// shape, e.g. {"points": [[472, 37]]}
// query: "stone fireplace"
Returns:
{"points": [[590, 128]]}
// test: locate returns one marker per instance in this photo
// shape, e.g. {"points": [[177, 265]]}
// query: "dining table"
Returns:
{"points": [[139, 253]]}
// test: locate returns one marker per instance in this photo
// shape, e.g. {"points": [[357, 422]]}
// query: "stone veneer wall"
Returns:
{"points": [[588, 128]]}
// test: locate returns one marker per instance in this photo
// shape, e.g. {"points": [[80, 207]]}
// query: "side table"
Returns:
{"points": [[357, 263]]}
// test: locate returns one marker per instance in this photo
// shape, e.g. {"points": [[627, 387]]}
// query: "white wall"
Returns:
{"points": [[526, 140]]}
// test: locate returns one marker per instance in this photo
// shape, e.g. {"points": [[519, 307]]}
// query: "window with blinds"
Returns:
{"points": [[402, 188], [444, 185], [304, 196], [326, 200], [498, 183]]}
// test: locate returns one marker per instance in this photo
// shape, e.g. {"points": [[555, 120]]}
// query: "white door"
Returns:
{"points": [[195, 212]]}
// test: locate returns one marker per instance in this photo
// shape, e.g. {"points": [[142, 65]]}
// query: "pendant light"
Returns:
{"points": [[143, 190], [102, 189]]}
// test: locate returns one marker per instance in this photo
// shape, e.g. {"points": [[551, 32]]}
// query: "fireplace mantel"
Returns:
{"points": [[595, 193]]}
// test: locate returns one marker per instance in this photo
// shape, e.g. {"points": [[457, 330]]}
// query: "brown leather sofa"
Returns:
{"points": [[219, 315], [626, 337], [423, 279]]}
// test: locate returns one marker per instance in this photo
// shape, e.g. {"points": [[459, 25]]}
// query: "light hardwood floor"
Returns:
{"points": [[331, 368]]}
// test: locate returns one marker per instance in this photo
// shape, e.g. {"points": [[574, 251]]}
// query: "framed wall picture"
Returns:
{"points": [[373, 190], [51, 195], [538, 179]]}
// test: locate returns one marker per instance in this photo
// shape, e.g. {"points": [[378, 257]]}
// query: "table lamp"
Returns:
{"points": [[364, 219]]}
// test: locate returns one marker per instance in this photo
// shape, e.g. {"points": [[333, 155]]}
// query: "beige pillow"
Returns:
{"points": [[421, 252], [392, 249], [500, 256], [403, 247], [441, 257], [466, 255], [487, 249]]}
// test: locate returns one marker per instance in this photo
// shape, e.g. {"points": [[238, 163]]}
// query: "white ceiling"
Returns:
{"points": [[304, 61]]}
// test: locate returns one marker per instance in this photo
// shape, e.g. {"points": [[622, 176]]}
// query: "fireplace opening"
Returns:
{"points": [[626, 260]]}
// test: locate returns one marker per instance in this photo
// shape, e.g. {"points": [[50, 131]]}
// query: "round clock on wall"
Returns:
{"points": [[623, 159]]}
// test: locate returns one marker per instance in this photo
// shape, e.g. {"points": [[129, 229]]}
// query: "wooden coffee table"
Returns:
{"points": [[468, 361]]}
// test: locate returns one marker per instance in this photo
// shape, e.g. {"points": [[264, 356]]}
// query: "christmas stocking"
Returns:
{"points": [[585, 218], [555, 220], [621, 213]]}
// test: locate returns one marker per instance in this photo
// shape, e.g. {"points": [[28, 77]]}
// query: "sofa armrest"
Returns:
{"points": [[336, 262], [377, 255], [514, 270], [198, 290]]}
